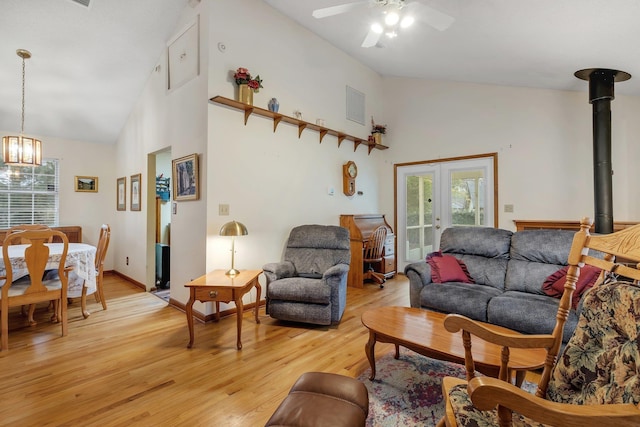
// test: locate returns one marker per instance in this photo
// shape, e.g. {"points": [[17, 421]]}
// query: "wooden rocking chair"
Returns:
{"points": [[596, 380]]}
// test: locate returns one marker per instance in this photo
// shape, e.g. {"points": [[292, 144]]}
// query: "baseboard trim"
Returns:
{"points": [[129, 279]]}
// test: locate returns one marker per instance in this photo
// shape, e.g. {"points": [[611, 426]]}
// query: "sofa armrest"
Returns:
{"points": [[278, 270], [419, 274]]}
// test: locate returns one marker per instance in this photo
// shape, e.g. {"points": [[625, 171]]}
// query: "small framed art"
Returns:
{"points": [[186, 184], [121, 193], [87, 184], [136, 196]]}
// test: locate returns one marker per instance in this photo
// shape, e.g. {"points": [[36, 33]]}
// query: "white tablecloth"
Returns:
{"points": [[80, 256]]}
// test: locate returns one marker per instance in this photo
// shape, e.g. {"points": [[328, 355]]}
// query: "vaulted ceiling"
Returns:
{"points": [[89, 65]]}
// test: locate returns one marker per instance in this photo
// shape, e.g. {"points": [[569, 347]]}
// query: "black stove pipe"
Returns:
{"points": [[601, 81]]}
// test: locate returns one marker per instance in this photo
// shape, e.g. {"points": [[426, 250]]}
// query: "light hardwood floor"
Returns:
{"points": [[130, 365]]}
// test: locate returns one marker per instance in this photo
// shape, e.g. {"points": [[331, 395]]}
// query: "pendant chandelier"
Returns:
{"points": [[19, 150]]}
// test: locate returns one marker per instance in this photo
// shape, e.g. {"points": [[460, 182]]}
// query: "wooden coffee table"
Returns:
{"points": [[423, 332]]}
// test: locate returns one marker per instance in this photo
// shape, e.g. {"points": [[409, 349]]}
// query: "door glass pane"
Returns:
{"points": [[468, 197], [419, 216]]}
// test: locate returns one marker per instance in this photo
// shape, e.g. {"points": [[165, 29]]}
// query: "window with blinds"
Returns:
{"points": [[29, 195]]}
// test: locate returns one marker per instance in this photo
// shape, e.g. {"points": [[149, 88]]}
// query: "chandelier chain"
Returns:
{"points": [[23, 80]]}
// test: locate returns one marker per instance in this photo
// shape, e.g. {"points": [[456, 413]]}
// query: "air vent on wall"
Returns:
{"points": [[355, 105], [84, 3]]}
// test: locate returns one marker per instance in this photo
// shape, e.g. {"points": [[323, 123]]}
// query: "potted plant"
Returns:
{"points": [[377, 131], [247, 85]]}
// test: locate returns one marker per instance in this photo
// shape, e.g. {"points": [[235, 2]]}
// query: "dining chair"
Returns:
{"points": [[101, 253], [594, 380], [24, 227], [372, 253], [34, 290]]}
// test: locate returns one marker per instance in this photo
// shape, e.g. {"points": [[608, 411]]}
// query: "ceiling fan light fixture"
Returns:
{"points": [[377, 28], [391, 18], [391, 34], [407, 21]]}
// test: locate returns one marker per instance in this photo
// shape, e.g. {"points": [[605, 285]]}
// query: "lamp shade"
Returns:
{"points": [[233, 228]]}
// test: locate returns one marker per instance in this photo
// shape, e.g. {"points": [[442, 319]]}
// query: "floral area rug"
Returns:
{"points": [[408, 391]]}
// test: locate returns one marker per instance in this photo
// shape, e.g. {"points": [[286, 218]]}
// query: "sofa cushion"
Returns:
{"points": [[300, 289], [529, 314], [447, 268], [554, 284], [535, 255], [315, 248], [456, 297], [484, 250]]}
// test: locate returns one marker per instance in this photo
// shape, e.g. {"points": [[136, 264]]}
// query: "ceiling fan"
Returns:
{"points": [[397, 14]]}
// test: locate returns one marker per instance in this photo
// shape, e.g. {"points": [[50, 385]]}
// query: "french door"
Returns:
{"points": [[432, 196]]}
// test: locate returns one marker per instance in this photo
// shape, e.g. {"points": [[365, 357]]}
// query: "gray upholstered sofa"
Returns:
{"points": [[310, 284], [508, 268]]}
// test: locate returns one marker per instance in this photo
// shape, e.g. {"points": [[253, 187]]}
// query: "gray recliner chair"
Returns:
{"points": [[310, 284]]}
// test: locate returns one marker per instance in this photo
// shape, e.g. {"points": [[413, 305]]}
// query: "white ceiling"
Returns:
{"points": [[89, 65], [532, 43]]}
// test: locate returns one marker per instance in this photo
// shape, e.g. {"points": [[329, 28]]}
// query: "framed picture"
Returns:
{"points": [[121, 194], [186, 185], [87, 184], [136, 197]]}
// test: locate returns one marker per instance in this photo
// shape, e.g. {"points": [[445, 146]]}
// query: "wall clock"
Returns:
{"points": [[349, 173]]}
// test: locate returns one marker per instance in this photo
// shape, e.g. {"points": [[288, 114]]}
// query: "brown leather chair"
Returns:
{"points": [[323, 399], [373, 249]]}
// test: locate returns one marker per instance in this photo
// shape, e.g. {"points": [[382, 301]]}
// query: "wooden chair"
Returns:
{"points": [[595, 382], [35, 289], [101, 253], [27, 227], [372, 252]]}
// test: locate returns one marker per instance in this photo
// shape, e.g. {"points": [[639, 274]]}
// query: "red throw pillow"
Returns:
{"points": [[447, 268], [554, 284]]}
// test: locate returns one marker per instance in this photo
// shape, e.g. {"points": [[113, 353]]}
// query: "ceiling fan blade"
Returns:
{"points": [[371, 39], [336, 10], [438, 20]]}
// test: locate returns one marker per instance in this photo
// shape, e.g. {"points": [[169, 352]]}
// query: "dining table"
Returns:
{"points": [[80, 256]]}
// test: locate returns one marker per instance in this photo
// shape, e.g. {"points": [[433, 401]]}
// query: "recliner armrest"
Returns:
{"points": [[278, 270], [337, 270]]}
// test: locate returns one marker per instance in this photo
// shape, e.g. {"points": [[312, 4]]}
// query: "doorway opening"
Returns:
{"points": [[160, 216]]}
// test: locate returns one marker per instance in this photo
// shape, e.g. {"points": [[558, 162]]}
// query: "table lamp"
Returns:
{"points": [[233, 229]]}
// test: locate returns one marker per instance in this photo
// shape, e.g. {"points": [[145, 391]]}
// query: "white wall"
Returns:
{"points": [[88, 210], [543, 139], [274, 181], [160, 120]]}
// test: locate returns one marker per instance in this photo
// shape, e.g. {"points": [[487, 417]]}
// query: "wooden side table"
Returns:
{"points": [[218, 287]]}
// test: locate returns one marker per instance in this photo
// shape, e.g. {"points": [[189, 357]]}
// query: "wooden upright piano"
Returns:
{"points": [[360, 228]]}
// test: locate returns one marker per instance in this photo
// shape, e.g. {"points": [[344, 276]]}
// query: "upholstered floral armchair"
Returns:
{"points": [[310, 284]]}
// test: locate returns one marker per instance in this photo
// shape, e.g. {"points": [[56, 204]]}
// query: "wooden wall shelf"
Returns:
{"points": [[301, 124]]}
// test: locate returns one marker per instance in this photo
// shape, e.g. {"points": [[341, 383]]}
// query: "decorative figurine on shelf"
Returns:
{"points": [[273, 105], [377, 131], [247, 85], [298, 114]]}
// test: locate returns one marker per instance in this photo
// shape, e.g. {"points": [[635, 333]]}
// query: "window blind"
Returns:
{"points": [[29, 195]]}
